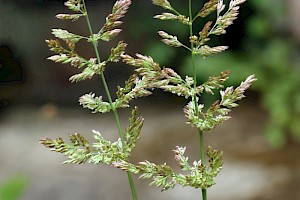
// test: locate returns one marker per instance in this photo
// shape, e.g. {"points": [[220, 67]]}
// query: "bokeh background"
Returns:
{"points": [[260, 143]]}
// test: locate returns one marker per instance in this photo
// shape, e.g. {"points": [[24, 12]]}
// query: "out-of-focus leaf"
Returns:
{"points": [[12, 188]]}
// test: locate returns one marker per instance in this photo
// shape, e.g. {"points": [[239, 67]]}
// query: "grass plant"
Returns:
{"points": [[149, 75]]}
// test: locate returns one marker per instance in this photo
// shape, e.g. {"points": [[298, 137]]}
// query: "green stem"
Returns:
{"points": [[204, 195], [201, 140], [95, 43]]}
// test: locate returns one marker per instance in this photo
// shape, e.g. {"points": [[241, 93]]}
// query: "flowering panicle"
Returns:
{"points": [[163, 3], [66, 56], [216, 82], [169, 39], [207, 50], [177, 85], [134, 88], [56, 47], [223, 21], [205, 121], [132, 133], [119, 10], [199, 176], [199, 42], [217, 112], [116, 52], [92, 65], [208, 8], [109, 153], [149, 75], [96, 104], [66, 36], [230, 95], [168, 80], [73, 17], [78, 151], [203, 36], [101, 151], [69, 56], [170, 16], [145, 66], [75, 5], [162, 78], [89, 71], [108, 31], [166, 16]]}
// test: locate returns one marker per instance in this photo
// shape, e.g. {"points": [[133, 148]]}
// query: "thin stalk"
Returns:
{"points": [[201, 140], [204, 192], [130, 179]]}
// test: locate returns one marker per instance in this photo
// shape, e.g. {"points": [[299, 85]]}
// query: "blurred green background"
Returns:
{"points": [[264, 41]]}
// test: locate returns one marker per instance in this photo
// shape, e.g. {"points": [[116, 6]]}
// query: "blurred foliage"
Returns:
{"points": [[265, 50], [13, 188]]}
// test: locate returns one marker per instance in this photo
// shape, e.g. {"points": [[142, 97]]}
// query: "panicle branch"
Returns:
{"points": [[196, 175], [169, 39], [217, 112], [223, 21], [216, 82], [230, 95], [108, 31], [208, 8], [101, 151], [163, 3], [75, 5]]}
